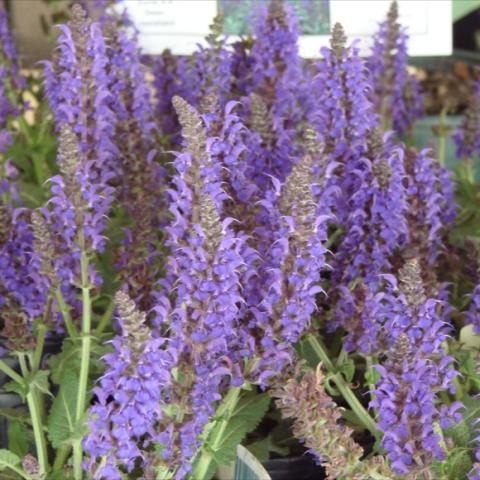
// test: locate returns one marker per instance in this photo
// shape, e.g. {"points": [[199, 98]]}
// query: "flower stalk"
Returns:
{"points": [[215, 438], [35, 414], [343, 387], [85, 354]]}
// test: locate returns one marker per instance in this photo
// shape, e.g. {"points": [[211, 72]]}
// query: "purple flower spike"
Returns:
{"points": [[211, 68], [417, 369], [278, 82], [430, 193], [376, 226], [171, 77], [291, 271], [129, 396], [77, 86], [396, 92], [140, 191], [205, 263], [467, 137], [8, 53]]}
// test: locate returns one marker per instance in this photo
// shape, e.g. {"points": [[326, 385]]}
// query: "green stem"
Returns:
{"points": [[216, 432], [362, 414], [61, 457], [371, 386], [37, 357], [38, 435], [85, 358], [65, 309], [10, 372], [106, 317]]}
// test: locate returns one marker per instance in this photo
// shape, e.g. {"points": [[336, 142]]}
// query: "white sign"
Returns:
{"points": [[181, 24]]}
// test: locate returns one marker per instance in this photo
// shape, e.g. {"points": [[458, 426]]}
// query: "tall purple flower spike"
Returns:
{"points": [[205, 263], [431, 211], [171, 77], [291, 270], [8, 53], [211, 68], [396, 92], [346, 115], [417, 369], [77, 212], [467, 137], [276, 92], [77, 86], [129, 396], [11, 85], [376, 226], [23, 288], [140, 191]]}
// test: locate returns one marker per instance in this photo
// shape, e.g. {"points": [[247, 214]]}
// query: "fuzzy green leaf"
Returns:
{"points": [[8, 460], [61, 420], [260, 449], [19, 438], [18, 388], [39, 381], [459, 464], [246, 417]]}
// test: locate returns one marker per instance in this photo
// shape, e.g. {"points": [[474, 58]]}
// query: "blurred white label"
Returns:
{"points": [[181, 24]]}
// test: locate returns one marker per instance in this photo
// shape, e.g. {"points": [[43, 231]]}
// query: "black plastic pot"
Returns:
{"points": [[295, 468]]}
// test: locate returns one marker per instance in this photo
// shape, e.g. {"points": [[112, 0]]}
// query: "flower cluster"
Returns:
{"points": [[77, 86], [142, 177], [376, 225], [396, 92], [300, 395], [417, 369], [467, 136], [129, 395]]}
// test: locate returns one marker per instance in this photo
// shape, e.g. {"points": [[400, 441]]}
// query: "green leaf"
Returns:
{"points": [[39, 381], [18, 388], [61, 420], [246, 417], [8, 460], [19, 438], [67, 360], [348, 369], [459, 464], [16, 415], [260, 449]]}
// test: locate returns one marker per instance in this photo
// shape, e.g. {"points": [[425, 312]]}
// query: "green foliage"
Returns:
{"points": [[9, 460], [19, 437], [245, 418], [68, 360], [61, 420], [458, 465]]}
